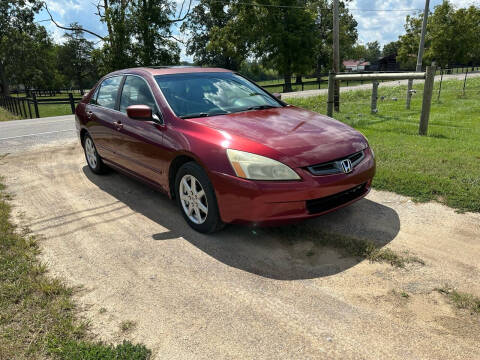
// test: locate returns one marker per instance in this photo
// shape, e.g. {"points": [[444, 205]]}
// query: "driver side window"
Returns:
{"points": [[136, 92]]}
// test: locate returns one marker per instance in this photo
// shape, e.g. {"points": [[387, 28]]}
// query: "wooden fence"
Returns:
{"points": [[428, 76], [28, 107], [324, 77], [48, 92]]}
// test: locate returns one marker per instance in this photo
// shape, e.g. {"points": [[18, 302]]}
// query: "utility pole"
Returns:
{"points": [[336, 54], [421, 49]]}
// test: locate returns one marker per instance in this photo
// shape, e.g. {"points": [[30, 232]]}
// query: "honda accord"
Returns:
{"points": [[223, 147]]}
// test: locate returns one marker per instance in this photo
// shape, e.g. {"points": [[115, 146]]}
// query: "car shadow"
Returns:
{"points": [[266, 252]]}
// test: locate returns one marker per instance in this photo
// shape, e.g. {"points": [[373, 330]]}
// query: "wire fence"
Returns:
{"points": [[451, 99]]}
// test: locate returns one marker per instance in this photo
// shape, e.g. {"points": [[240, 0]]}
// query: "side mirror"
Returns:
{"points": [[278, 96], [139, 112]]}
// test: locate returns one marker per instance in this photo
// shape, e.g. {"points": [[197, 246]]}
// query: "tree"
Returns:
{"points": [[139, 32], [278, 33], [151, 26], [373, 51], [16, 24], [206, 19], [391, 48], [452, 37], [324, 34], [75, 61]]}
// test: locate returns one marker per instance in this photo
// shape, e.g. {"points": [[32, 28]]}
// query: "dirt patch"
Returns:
{"points": [[245, 293]]}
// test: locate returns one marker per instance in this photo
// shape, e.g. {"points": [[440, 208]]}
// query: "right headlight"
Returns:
{"points": [[256, 167]]}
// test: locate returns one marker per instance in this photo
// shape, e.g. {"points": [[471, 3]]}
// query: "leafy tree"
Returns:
{"points": [[16, 24], [277, 32], [151, 26], [139, 32], [208, 18], [324, 34], [452, 37], [373, 51], [391, 48], [357, 52], [75, 61]]}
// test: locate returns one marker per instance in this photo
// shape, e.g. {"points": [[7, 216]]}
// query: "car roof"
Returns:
{"points": [[169, 70]]}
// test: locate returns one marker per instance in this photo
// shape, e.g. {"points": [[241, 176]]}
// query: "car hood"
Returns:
{"points": [[299, 137]]}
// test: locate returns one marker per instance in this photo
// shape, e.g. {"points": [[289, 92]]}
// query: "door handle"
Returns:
{"points": [[118, 125], [89, 114]]}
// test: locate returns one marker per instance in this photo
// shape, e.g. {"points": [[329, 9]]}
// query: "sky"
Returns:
{"points": [[384, 26]]}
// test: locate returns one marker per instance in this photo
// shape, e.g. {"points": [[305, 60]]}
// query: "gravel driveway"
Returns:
{"points": [[247, 293]]}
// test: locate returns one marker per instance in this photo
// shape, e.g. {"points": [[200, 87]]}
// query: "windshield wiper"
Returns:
{"points": [[200, 115], [261, 107]]}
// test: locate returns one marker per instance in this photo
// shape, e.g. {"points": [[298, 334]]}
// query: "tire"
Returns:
{"points": [[199, 209], [94, 161]]}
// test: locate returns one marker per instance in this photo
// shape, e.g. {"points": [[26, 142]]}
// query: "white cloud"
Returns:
{"points": [[386, 26]]}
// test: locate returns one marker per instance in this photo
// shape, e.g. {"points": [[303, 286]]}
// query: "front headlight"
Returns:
{"points": [[256, 167]]}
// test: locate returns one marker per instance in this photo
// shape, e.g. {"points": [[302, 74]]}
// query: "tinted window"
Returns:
{"points": [[107, 95], [207, 94], [136, 92]]}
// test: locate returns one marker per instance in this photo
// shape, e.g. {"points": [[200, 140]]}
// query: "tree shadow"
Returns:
{"points": [[261, 251]]}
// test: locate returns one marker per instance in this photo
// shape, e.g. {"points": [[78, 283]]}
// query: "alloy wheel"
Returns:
{"points": [[193, 199]]}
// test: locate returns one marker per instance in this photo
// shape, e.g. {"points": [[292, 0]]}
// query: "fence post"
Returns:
{"points": [[29, 108], [409, 93], [373, 106], [35, 105], [465, 82], [24, 109], [427, 99], [15, 105], [331, 93], [440, 87], [72, 102]]}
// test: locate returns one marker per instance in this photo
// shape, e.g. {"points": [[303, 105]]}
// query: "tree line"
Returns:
{"points": [[264, 39]]}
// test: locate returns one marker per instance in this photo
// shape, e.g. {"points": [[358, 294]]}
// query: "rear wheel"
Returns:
{"points": [[94, 160], [196, 199]]}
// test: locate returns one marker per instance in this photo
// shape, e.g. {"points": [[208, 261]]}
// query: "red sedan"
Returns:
{"points": [[224, 148]]}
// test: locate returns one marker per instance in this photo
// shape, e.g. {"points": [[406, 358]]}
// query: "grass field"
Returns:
{"points": [[37, 316], [443, 166]]}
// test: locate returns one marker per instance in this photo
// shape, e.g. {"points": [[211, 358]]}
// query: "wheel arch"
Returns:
{"points": [[175, 165], [83, 133]]}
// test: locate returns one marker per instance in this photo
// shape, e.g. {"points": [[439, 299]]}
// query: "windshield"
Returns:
{"points": [[207, 94]]}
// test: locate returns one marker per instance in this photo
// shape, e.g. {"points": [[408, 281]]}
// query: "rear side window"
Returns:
{"points": [[107, 95], [136, 92]]}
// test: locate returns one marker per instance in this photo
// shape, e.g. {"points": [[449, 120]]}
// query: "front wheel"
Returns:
{"points": [[196, 199]]}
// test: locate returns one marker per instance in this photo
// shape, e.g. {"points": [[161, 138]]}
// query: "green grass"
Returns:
{"points": [[6, 115], [443, 166], [38, 318], [348, 245], [461, 300]]}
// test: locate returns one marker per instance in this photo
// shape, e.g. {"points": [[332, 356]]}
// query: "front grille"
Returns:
{"points": [[316, 206], [334, 167]]}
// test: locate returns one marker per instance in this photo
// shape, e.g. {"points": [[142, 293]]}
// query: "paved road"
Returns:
{"points": [[20, 135]]}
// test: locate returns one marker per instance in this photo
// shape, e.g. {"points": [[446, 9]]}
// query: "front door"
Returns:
{"points": [[142, 141]]}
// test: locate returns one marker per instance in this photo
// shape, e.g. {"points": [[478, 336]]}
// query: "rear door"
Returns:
{"points": [[103, 116], [142, 141]]}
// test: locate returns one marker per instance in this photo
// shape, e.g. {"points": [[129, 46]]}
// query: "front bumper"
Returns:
{"points": [[270, 202]]}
